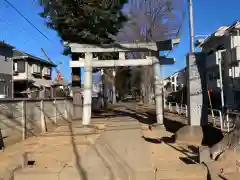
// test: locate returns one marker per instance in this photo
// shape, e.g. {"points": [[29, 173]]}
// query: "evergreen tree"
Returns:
{"points": [[84, 21]]}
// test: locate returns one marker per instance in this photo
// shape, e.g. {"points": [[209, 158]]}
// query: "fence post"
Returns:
{"points": [[221, 119], [213, 118], [228, 124], [65, 109], [186, 110], [24, 123], [55, 111], [42, 116], [177, 108]]}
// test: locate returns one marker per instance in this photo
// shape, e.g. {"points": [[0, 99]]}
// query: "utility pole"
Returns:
{"points": [[191, 28]]}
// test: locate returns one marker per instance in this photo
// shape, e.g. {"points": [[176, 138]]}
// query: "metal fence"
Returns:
{"points": [[176, 108], [226, 122]]}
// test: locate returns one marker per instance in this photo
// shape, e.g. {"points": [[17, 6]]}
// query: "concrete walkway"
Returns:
{"points": [[132, 152], [117, 148]]}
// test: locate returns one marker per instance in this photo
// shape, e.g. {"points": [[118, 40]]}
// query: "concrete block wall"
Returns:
{"points": [[23, 118]]}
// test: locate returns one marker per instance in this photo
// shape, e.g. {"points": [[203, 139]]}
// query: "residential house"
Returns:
{"points": [[32, 76], [174, 87], [6, 84], [178, 80], [181, 78], [60, 88], [223, 56]]}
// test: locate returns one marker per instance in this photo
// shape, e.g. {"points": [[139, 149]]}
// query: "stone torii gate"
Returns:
{"points": [[89, 62]]}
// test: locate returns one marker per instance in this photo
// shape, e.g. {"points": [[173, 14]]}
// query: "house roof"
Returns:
{"points": [[180, 70], [60, 83], [2, 43], [218, 33], [221, 32], [236, 25], [20, 54]]}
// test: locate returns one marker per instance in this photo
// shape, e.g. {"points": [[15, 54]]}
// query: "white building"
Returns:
{"points": [[223, 55], [178, 80]]}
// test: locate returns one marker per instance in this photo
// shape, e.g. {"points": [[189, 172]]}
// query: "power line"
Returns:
{"points": [[10, 4], [9, 24]]}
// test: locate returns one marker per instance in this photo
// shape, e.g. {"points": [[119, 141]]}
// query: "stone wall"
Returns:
{"points": [[20, 119]]}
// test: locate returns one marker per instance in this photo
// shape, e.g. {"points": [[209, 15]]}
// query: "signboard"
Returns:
{"points": [[197, 103]]}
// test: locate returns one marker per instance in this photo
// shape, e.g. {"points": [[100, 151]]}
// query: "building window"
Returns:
{"points": [[178, 78], [15, 69], [230, 72], [223, 54], [21, 66], [7, 91], [210, 77], [47, 71], [36, 68], [216, 75]]}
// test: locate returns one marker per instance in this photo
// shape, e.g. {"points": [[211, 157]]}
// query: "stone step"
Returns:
{"points": [[37, 174], [133, 162], [231, 176], [186, 172]]}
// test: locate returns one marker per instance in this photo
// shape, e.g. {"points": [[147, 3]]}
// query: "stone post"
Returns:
{"points": [[197, 90], [76, 92], [158, 90]]}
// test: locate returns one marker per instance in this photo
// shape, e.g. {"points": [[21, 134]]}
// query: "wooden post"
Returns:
{"points": [[24, 128]]}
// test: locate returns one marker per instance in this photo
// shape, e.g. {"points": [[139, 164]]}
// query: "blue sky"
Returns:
{"points": [[208, 16]]}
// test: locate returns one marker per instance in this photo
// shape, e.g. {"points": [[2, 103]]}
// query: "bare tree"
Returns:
{"points": [[151, 20]]}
